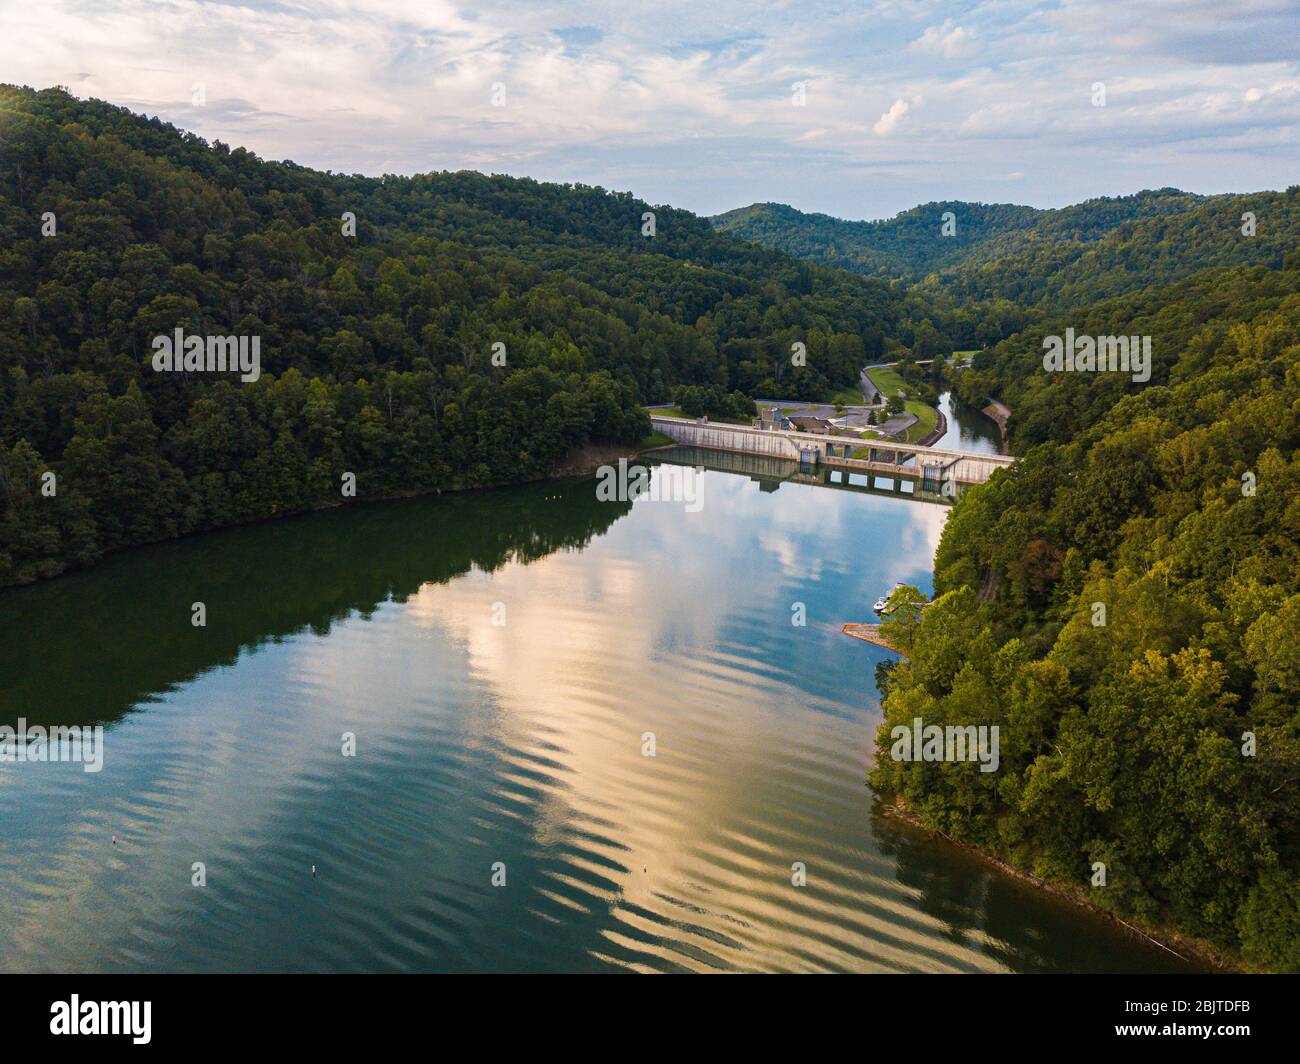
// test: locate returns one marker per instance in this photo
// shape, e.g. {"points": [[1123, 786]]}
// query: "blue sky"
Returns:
{"points": [[693, 103]]}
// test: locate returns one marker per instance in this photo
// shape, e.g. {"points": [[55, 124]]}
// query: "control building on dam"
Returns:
{"points": [[937, 471]]}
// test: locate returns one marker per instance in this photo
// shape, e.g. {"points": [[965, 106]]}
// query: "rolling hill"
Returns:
{"points": [[379, 305]]}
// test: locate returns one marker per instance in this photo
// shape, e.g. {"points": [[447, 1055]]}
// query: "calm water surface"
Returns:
{"points": [[968, 429], [480, 743]]}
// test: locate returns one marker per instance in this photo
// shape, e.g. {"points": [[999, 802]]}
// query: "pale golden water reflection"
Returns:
{"points": [[519, 743]]}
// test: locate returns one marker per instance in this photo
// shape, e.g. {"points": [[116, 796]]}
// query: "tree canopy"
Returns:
{"points": [[1140, 654], [379, 304]]}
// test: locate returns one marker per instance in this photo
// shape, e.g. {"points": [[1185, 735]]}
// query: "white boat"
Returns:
{"points": [[883, 602]]}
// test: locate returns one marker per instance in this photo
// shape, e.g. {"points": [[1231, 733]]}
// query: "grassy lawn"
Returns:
{"points": [[887, 380], [844, 397], [926, 418], [672, 411], [655, 439]]}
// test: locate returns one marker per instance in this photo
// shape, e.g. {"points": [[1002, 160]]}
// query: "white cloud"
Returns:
{"points": [[888, 122], [948, 40], [690, 104]]}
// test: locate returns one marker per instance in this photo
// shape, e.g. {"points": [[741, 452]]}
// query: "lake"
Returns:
{"points": [[506, 661]]}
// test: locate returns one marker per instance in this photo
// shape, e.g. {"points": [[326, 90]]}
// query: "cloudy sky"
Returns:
{"points": [[694, 103]]}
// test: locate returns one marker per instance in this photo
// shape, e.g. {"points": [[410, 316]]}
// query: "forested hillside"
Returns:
{"points": [[908, 245], [1054, 265], [1139, 651], [1047, 259], [1011, 269], [915, 243], [376, 348], [1183, 321]]}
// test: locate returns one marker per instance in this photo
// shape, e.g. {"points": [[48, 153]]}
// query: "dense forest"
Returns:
{"points": [[1005, 268], [1060, 263], [434, 332], [908, 245], [1124, 605], [1072, 254]]}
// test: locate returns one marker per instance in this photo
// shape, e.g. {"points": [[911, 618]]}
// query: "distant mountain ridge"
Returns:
{"points": [[909, 244], [1066, 256]]}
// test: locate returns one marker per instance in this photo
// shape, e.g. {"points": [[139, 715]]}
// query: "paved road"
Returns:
{"points": [[897, 424], [868, 386], [854, 416]]}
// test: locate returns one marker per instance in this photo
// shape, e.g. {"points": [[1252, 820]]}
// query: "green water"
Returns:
{"points": [[516, 744]]}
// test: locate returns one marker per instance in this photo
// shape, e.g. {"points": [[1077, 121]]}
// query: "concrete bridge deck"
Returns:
{"points": [[933, 464], [770, 473]]}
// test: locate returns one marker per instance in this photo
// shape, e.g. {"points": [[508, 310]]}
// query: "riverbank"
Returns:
{"points": [[1188, 949], [938, 432], [969, 429], [999, 413], [587, 460], [870, 633], [581, 462], [1191, 950]]}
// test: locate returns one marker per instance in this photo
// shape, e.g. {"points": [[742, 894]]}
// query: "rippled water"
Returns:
{"points": [[480, 743]]}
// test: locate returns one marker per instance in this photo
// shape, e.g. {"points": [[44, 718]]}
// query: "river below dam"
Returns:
{"points": [[968, 430], [587, 737]]}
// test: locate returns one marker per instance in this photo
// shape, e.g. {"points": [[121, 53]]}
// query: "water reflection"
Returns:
{"points": [[968, 428], [91, 645], [502, 660]]}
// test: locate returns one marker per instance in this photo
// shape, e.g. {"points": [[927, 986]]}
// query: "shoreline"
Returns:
{"points": [[938, 432], [587, 461], [1000, 414], [895, 807], [1190, 950], [576, 465], [870, 633]]}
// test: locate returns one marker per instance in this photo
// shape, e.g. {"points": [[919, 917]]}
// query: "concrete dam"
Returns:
{"points": [[936, 471]]}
